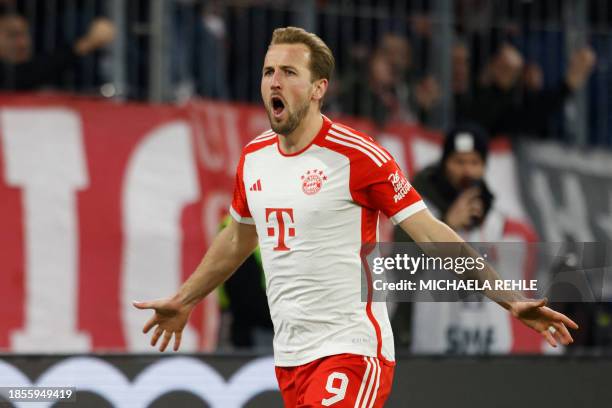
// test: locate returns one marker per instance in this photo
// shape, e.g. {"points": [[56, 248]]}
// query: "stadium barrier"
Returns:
{"points": [[232, 381]]}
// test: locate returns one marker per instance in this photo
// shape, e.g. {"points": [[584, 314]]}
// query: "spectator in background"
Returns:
{"points": [[454, 188], [21, 70], [419, 95], [456, 193], [510, 98], [212, 64], [498, 92], [199, 50], [392, 92], [461, 79], [540, 104], [372, 92]]}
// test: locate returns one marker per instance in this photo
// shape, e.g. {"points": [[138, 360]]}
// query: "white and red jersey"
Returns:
{"points": [[313, 210]]}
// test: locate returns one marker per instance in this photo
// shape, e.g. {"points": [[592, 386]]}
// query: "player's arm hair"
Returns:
{"points": [[424, 228], [228, 251]]}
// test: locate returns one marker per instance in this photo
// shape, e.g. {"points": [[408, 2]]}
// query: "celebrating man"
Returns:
{"points": [[310, 191]]}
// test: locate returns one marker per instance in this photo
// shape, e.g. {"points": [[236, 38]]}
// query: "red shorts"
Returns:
{"points": [[343, 380]]}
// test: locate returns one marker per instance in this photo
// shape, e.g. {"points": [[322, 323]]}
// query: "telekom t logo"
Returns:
{"points": [[281, 226]]}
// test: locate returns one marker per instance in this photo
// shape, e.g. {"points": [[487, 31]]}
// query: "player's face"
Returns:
{"points": [[286, 86], [463, 168]]}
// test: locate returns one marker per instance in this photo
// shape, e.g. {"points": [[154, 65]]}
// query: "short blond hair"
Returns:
{"points": [[322, 61]]}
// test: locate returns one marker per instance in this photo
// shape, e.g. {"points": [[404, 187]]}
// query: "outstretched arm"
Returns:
{"points": [[227, 252], [425, 228]]}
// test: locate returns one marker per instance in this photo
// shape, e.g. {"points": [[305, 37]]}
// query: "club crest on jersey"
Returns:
{"points": [[312, 181], [401, 186]]}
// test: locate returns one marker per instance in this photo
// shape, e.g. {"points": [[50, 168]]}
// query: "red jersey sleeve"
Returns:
{"points": [[382, 186], [240, 207]]}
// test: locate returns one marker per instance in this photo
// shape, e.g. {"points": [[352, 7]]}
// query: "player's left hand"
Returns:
{"points": [[550, 324]]}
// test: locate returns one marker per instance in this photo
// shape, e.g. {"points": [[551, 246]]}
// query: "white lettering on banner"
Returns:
{"points": [[44, 157], [160, 180], [164, 376], [560, 221], [232, 141], [211, 159], [221, 132]]}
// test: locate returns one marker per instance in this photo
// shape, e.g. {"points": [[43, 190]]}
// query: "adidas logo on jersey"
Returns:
{"points": [[256, 186]]}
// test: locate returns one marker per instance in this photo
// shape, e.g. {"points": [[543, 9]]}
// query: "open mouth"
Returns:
{"points": [[278, 106]]}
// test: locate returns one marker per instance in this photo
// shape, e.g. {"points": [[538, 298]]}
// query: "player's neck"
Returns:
{"points": [[303, 135]]}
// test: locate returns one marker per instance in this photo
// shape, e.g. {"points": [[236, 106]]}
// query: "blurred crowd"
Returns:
{"points": [[384, 84], [22, 70], [495, 80], [506, 96]]}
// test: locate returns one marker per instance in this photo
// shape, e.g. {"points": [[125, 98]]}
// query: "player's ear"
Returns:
{"points": [[320, 87]]}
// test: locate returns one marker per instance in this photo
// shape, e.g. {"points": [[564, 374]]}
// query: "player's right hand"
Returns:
{"points": [[170, 317]]}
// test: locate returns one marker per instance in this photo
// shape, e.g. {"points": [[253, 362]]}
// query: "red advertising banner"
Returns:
{"points": [[104, 203]]}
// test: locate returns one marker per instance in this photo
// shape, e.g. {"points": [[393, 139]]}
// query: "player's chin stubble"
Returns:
{"points": [[293, 120]]}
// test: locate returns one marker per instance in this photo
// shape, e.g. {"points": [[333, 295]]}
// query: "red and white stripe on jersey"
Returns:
{"points": [[265, 136], [369, 384], [376, 181], [344, 136]]}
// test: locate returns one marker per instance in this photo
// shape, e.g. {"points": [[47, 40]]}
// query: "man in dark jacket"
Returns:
{"points": [[455, 192], [454, 188]]}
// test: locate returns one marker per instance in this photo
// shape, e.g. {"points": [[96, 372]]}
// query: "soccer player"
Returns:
{"points": [[310, 191]]}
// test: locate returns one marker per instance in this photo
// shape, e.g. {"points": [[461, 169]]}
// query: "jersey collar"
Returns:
{"points": [[322, 132]]}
